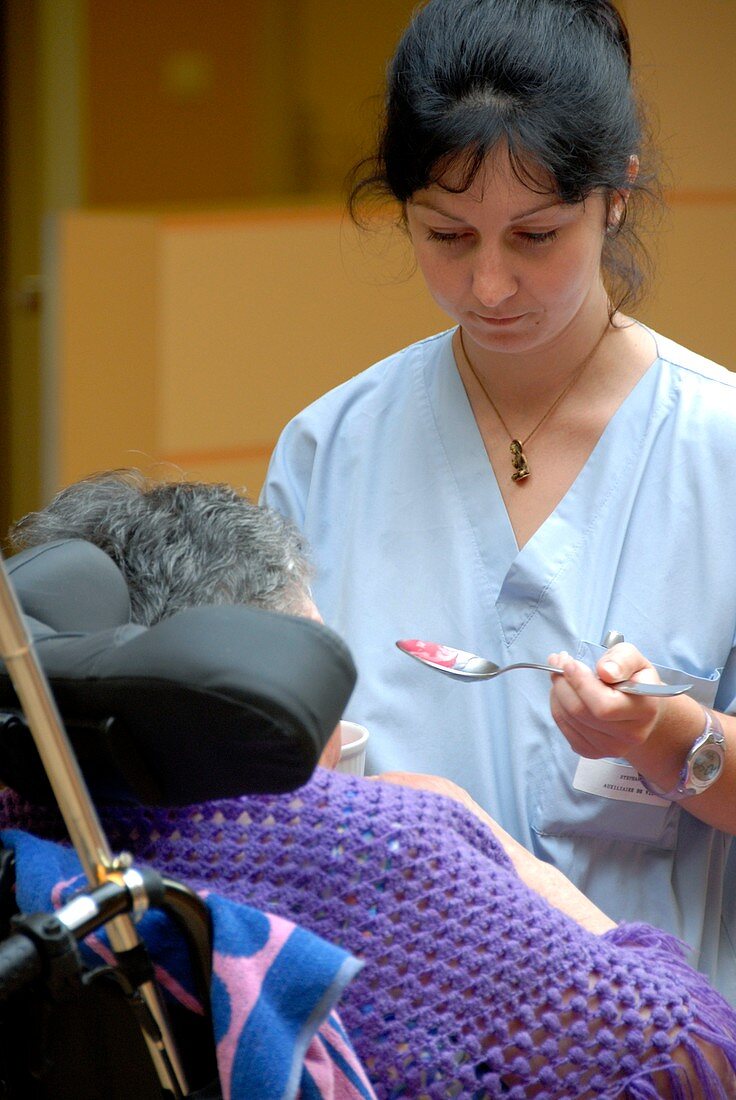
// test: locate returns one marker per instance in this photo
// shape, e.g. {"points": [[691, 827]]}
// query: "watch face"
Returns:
{"points": [[707, 765]]}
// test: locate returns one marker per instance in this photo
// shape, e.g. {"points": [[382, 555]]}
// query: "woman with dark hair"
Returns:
{"points": [[547, 472]]}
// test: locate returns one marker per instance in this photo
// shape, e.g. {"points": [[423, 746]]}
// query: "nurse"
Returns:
{"points": [[547, 471]]}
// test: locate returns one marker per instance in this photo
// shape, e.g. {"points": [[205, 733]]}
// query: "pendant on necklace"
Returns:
{"points": [[518, 461]]}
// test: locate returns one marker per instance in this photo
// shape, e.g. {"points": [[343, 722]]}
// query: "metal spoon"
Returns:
{"points": [[468, 666]]}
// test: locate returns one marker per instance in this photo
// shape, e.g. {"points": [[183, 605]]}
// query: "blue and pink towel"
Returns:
{"points": [[274, 985]]}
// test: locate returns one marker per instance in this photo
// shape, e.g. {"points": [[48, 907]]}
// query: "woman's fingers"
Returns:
{"points": [[596, 719], [625, 662]]}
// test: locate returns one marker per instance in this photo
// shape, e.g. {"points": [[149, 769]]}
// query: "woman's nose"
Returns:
{"points": [[493, 279]]}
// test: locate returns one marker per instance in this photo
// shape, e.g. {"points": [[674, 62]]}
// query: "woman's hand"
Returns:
{"points": [[654, 735], [595, 719]]}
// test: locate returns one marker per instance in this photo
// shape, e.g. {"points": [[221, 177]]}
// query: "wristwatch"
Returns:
{"points": [[703, 763]]}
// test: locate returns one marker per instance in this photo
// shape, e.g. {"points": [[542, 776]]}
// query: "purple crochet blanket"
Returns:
{"points": [[473, 986]]}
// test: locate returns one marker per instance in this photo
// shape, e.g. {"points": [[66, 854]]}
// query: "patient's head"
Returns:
{"points": [[179, 544], [182, 544]]}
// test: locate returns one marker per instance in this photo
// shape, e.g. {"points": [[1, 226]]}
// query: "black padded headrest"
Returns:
{"points": [[70, 585], [211, 703]]}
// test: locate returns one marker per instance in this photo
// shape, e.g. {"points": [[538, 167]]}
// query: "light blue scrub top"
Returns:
{"points": [[388, 478]]}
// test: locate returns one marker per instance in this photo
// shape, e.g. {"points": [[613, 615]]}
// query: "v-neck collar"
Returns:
{"points": [[520, 577]]}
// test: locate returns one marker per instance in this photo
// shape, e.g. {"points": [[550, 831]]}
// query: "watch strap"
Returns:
{"points": [[712, 731]]}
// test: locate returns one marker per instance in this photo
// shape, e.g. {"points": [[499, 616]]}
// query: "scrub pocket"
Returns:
{"points": [[561, 810]]}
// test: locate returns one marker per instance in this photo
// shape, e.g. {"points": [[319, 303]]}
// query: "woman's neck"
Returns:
{"points": [[521, 379]]}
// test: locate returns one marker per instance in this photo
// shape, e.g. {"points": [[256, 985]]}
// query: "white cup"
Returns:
{"points": [[354, 739]]}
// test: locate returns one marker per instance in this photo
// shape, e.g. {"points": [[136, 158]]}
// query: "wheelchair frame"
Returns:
{"points": [[118, 891]]}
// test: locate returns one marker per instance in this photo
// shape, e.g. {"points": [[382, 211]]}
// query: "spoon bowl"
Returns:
{"points": [[469, 666]]}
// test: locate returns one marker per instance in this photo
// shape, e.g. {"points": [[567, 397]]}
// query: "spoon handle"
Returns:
{"points": [[628, 687], [523, 664], [664, 691]]}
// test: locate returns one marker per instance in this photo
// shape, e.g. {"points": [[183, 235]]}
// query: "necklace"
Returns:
{"points": [[518, 458]]}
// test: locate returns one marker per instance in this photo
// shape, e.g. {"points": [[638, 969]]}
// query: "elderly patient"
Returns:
{"points": [[487, 974]]}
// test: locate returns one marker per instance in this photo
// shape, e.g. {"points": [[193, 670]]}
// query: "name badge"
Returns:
{"points": [[613, 779]]}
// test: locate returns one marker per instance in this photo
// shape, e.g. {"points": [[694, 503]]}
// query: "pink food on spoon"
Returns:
{"points": [[430, 651]]}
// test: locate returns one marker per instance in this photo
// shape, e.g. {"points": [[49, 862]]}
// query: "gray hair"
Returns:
{"points": [[179, 544]]}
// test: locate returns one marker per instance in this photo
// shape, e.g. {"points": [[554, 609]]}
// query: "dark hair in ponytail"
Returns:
{"points": [[548, 79]]}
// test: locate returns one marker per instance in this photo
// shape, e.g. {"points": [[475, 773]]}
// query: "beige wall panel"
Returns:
{"points": [[184, 344], [245, 475], [693, 295], [103, 351], [259, 316]]}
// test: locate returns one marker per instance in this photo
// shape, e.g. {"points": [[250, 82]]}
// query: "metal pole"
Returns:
{"points": [[76, 806]]}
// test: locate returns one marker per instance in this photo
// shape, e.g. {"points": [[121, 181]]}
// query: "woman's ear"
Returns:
{"points": [[617, 205]]}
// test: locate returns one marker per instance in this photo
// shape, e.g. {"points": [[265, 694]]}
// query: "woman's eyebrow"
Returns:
{"points": [[436, 209], [517, 217], [537, 210]]}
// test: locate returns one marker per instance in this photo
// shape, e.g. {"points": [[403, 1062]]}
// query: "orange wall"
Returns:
{"points": [[224, 101], [683, 53], [170, 100]]}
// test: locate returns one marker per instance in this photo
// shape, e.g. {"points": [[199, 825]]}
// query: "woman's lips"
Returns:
{"points": [[499, 320]]}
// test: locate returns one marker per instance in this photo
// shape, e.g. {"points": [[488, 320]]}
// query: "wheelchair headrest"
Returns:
{"points": [[211, 703], [70, 585]]}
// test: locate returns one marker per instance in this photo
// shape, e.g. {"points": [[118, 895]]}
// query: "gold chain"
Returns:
{"points": [[518, 458]]}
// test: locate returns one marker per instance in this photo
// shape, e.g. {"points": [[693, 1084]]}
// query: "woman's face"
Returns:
{"points": [[516, 268]]}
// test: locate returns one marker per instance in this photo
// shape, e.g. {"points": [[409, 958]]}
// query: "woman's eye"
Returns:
{"points": [[539, 238], [449, 237]]}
